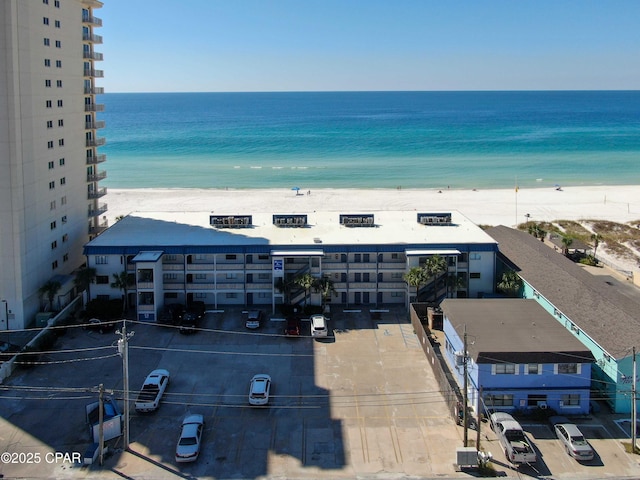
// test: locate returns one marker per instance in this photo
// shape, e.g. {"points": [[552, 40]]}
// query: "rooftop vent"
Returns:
{"points": [[365, 220], [434, 218], [290, 220], [230, 221]]}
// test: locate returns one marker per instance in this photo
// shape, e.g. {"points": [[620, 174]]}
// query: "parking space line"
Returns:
{"points": [[395, 441], [303, 456]]}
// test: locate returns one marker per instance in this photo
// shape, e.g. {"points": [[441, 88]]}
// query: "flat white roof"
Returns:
{"points": [[159, 229]]}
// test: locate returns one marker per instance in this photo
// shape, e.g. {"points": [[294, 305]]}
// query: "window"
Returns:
{"points": [[232, 295], [46, 42], [474, 256], [54, 245], [47, 83], [58, 63], [65, 257], [102, 279], [65, 237], [230, 257], [49, 103], [263, 257], [570, 399], [498, 401], [230, 276], [56, 3], [64, 219], [51, 165], [536, 400], [59, 103], [60, 122], [474, 275], [101, 260], [52, 225], [49, 123], [45, 20], [61, 142], [59, 83], [61, 162], [201, 276], [47, 62], [567, 368], [170, 276], [264, 276], [63, 200], [57, 23], [50, 144], [58, 44], [533, 369], [52, 205], [505, 368], [52, 185], [394, 256], [54, 265], [46, 2]]}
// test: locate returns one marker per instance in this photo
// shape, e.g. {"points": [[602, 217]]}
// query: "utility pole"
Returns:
{"points": [[480, 403], [123, 350], [634, 413], [101, 422], [465, 419]]}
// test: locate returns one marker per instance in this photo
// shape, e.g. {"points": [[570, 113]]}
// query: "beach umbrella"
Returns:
{"points": [[296, 189]]}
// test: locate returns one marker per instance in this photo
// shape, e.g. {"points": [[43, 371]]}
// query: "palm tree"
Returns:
{"points": [[49, 291], [415, 277], [325, 287], [284, 288], [597, 238], [84, 279], [305, 281], [510, 284], [454, 283], [434, 267], [566, 243], [122, 281]]}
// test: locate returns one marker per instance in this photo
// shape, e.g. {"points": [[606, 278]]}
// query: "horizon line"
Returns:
{"points": [[385, 91]]}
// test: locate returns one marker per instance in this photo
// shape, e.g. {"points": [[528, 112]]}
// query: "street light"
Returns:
{"points": [[526, 215]]}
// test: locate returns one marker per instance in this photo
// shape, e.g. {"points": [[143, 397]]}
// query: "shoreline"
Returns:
{"points": [[618, 203]]}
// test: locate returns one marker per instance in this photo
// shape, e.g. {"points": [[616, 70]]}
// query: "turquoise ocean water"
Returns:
{"points": [[371, 139]]}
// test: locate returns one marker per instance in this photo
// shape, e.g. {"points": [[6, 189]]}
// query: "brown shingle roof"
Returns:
{"points": [[593, 303]]}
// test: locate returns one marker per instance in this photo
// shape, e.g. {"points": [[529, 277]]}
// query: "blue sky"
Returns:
{"points": [[318, 45]]}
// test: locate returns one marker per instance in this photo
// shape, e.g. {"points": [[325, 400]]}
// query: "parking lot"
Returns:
{"points": [[362, 402]]}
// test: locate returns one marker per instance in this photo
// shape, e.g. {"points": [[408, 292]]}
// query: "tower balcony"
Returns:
{"points": [[95, 125], [92, 56], [95, 159], [91, 20], [102, 208], [94, 90], [90, 72], [94, 107], [101, 192], [92, 37], [96, 177], [96, 142], [99, 228]]}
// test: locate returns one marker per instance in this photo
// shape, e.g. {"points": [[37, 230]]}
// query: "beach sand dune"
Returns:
{"points": [[483, 207]]}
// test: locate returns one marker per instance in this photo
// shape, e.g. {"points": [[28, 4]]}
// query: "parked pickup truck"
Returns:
{"points": [[152, 390], [517, 447]]}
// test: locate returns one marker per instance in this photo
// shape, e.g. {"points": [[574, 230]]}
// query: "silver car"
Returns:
{"points": [[572, 438], [188, 447]]}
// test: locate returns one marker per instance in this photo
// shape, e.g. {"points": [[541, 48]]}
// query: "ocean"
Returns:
{"points": [[371, 139]]}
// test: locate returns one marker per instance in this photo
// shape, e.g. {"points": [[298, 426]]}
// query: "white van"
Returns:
{"points": [[318, 326]]}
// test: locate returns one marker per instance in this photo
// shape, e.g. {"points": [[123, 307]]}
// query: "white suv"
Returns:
{"points": [[318, 326]]}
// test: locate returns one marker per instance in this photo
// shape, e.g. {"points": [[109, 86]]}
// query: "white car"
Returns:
{"points": [[188, 447], [318, 326], [259, 389], [254, 319], [572, 438]]}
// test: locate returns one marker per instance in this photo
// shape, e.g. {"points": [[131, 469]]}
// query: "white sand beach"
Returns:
{"points": [[483, 207]]}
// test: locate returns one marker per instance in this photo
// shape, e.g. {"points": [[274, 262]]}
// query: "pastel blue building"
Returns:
{"points": [[518, 356], [598, 310]]}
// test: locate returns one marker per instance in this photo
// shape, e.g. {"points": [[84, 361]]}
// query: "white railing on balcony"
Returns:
{"points": [[90, 72], [98, 193], [96, 142], [93, 90], [94, 107], [98, 211], [92, 20], [94, 125], [92, 56], [172, 266]]}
